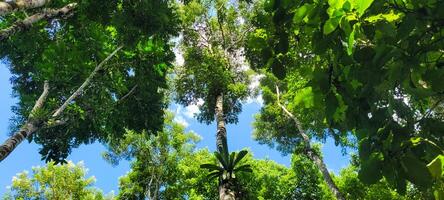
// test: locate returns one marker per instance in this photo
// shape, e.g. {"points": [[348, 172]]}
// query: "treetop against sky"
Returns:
{"points": [[266, 77]]}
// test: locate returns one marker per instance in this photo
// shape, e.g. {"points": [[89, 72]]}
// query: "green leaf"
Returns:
{"points": [[362, 6], [330, 25], [336, 3], [436, 166], [304, 96], [439, 194], [214, 175], [416, 171], [301, 12], [370, 171], [239, 156], [231, 161], [389, 17], [351, 42], [345, 26], [244, 168], [211, 167], [221, 159], [364, 148]]}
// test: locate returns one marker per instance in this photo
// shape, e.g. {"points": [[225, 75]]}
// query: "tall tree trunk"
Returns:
{"points": [[11, 6], [225, 193], [221, 134], [32, 124], [29, 21], [311, 153]]}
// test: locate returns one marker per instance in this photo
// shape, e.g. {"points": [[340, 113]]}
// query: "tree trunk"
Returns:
{"points": [[11, 6], [225, 193], [221, 134], [30, 126], [311, 153], [321, 165], [29, 21]]}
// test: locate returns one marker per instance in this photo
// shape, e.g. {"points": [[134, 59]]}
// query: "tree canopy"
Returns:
{"points": [[366, 68], [368, 74], [65, 51]]}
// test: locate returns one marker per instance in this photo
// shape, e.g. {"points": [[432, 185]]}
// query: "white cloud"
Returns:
{"points": [[178, 116], [254, 86], [179, 119], [179, 60], [193, 109], [255, 81], [257, 99]]}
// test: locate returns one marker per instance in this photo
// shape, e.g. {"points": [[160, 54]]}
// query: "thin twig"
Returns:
{"points": [[128, 94]]}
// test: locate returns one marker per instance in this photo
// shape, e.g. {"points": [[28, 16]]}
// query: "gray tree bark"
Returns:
{"points": [[225, 193], [29, 127], [7, 7], [29, 21], [32, 124], [311, 153], [221, 134]]}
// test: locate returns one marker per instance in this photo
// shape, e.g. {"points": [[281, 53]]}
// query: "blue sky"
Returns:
{"points": [[239, 136]]}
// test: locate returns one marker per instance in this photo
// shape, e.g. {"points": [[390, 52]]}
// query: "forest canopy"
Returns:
{"points": [[366, 74]]}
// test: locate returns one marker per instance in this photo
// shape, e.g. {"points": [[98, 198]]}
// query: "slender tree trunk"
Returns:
{"points": [[32, 124], [11, 6], [225, 193], [221, 134], [311, 153], [29, 21]]}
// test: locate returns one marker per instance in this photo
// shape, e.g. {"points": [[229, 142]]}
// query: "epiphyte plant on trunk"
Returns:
{"points": [[227, 166], [214, 69], [225, 171]]}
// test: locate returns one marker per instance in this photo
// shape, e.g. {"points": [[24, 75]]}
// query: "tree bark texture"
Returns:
{"points": [[30, 126], [225, 192], [311, 153], [7, 7], [26, 23], [221, 134]]}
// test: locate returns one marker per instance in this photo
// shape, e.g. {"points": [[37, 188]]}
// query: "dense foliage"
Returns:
{"points": [[369, 68], [64, 52], [52, 181], [369, 74], [211, 44]]}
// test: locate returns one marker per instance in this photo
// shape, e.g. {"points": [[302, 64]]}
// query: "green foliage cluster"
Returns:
{"points": [[212, 37], [53, 181], [372, 69], [367, 73], [227, 166], [155, 171], [65, 52]]}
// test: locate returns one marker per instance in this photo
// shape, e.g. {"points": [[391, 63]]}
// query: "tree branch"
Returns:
{"points": [[30, 126], [81, 89], [296, 121], [128, 94], [311, 153], [29, 21], [11, 6]]}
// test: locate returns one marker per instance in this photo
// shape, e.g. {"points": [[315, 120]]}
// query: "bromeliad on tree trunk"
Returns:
{"points": [[214, 71]]}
